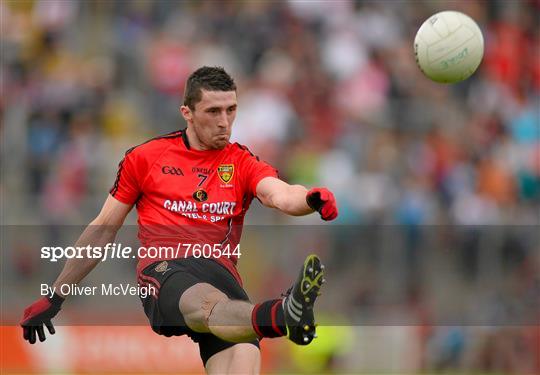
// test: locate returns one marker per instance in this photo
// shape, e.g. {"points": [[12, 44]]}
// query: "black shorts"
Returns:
{"points": [[174, 277]]}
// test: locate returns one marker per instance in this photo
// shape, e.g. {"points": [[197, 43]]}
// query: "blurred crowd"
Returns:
{"points": [[329, 93]]}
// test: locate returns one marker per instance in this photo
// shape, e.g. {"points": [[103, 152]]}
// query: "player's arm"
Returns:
{"points": [[296, 200], [101, 231], [98, 233]]}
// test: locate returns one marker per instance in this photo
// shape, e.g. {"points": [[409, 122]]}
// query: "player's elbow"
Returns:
{"points": [[103, 224]]}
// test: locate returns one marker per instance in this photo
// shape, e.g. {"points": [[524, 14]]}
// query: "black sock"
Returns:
{"points": [[268, 319]]}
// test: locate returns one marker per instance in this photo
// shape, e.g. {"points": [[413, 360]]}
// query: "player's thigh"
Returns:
{"points": [[244, 358], [196, 304]]}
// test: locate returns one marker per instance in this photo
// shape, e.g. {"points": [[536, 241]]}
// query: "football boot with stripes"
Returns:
{"points": [[300, 299]]}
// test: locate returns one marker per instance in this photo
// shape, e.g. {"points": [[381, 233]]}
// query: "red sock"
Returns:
{"points": [[268, 319]]}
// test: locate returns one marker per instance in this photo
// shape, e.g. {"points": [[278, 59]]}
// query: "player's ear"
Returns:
{"points": [[186, 113]]}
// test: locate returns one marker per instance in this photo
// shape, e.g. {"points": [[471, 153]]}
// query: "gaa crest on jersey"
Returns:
{"points": [[200, 195], [225, 172]]}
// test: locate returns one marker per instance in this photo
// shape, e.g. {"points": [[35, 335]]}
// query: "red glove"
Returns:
{"points": [[39, 313], [323, 201]]}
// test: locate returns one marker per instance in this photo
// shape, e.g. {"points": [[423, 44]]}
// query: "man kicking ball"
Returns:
{"points": [[194, 187]]}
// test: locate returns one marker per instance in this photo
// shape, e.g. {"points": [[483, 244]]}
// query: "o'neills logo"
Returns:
{"points": [[162, 267], [200, 195], [225, 172]]}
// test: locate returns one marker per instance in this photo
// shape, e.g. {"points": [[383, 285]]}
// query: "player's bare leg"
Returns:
{"points": [[206, 309], [238, 359], [232, 320]]}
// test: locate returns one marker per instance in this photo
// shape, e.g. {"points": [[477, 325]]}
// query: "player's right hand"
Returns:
{"points": [[38, 314]]}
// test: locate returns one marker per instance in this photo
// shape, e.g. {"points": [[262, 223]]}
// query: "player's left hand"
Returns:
{"points": [[38, 314], [323, 201]]}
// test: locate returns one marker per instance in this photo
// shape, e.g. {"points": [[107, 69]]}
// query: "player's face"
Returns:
{"points": [[213, 118]]}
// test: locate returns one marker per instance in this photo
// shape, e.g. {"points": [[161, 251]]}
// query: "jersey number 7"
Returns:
{"points": [[203, 178]]}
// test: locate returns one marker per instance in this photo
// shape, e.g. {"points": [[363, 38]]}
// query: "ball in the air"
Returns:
{"points": [[449, 47]]}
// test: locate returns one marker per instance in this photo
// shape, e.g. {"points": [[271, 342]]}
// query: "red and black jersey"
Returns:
{"points": [[187, 196]]}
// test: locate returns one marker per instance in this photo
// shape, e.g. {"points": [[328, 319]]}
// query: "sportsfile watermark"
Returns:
{"points": [[118, 251], [375, 275]]}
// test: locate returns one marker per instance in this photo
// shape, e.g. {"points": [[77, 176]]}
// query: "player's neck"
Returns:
{"points": [[193, 140]]}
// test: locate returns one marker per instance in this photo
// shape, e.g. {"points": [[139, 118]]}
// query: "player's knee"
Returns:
{"points": [[197, 304], [244, 358], [210, 301]]}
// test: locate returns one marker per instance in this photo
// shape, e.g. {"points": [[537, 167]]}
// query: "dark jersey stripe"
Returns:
{"points": [[242, 147], [174, 134]]}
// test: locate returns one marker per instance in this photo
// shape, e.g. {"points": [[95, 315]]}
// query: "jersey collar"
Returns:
{"points": [[185, 139], [188, 146]]}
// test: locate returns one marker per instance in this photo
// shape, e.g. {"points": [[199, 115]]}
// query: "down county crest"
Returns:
{"points": [[225, 172]]}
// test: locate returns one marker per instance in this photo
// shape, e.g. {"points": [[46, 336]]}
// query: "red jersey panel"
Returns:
{"points": [[186, 197]]}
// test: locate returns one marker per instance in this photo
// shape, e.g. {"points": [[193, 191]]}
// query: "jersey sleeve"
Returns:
{"points": [[254, 170], [127, 186]]}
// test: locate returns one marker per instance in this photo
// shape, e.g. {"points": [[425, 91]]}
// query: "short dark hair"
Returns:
{"points": [[211, 78]]}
